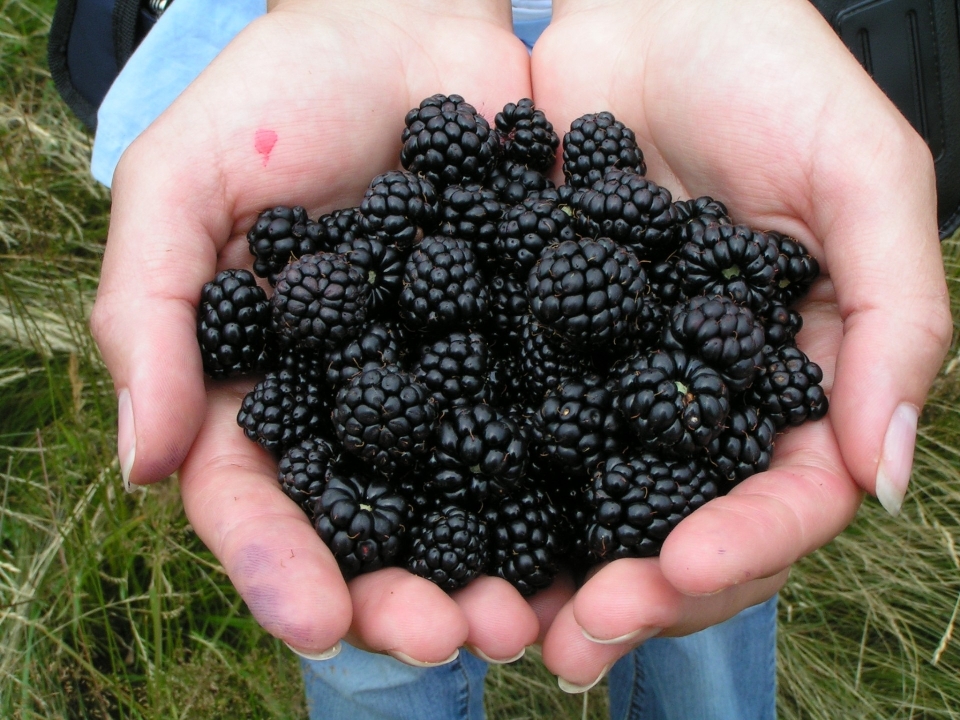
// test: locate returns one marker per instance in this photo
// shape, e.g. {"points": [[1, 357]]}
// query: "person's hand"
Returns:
{"points": [[304, 107], [758, 104]]}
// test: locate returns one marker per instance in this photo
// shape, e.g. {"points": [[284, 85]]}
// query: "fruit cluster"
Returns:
{"points": [[476, 371]]}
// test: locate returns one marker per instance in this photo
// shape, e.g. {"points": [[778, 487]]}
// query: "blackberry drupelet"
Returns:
{"points": [[745, 446], [399, 208], [385, 417], [787, 388], [379, 343], [637, 499], [442, 286], [730, 260], [525, 230], [545, 361], [448, 142], [796, 269], [302, 471], [722, 333], [360, 518], [233, 322], [527, 136], [455, 369], [587, 290], [673, 401], [278, 235], [514, 182], [382, 264], [631, 210], [526, 545], [448, 547], [320, 302], [595, 143], [577, 425], [472, 212]]}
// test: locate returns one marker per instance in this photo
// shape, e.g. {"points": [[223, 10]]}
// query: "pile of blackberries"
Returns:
{"points": [[475, 371]]}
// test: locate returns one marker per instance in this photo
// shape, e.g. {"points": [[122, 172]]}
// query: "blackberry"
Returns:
{"points": [[527, 547], [787, 388], [514, 182], [730, 260], [338, 227], [780, 323], [595, 143], [302, 471], [796, 269], [378, 344], [360, 518], [320, 302], [665, 281], [483, 441], [399, 208], [448, 547], [453, 486], [442, 286], [545, 360], [455, 368], [278, 235], [587, 290], [631, 210], [448, 142], [698, 211], [472, 213], [232, 324], [384, 417], [525, 230], [636, 500], [382, 264], [577, 425], [527, 135], [745, 446], [720, 332], [508, 308], [673, 401]]}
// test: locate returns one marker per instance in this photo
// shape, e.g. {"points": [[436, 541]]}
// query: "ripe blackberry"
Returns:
{"points": [[232, 324], [513, 182], [472, 213], [787, 388], [442, 286], [382, 264], [587, 290], [730, 260], [720, 332], [384, 417], [527, 135], [302, 471], [448, 142], [698, 211], [320, 302], [638, 499], [665, 281], [278, 235], [453, 486], [484, 441], [631, 210], [673, 401], [796, 269], [545, 360], [508, 308], [338, 227], [745, 446], [525, 230], [448, 547], [595, 143], [399, 208], [455, 369], [360, 518], [379, 343], [577, 425], [527, 548], [780, 323]]}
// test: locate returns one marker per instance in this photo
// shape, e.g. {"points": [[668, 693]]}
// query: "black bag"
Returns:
{"points": [[911, 48]]}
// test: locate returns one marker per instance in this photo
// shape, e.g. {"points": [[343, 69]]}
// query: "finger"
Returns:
{"points": [[501, 624], [267, 546], [547, 603]]}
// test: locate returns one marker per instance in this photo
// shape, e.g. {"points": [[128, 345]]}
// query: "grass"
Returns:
{"points": [[111, 608]]}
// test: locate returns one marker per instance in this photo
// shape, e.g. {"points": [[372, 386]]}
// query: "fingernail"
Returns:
{"points": [[325, 655], [896, 460], [637, 636], [494, 661], [407, 660], [569, 687], [126, 437]]}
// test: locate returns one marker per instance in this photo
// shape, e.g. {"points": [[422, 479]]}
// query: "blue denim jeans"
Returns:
{"points": [[726, 672]]}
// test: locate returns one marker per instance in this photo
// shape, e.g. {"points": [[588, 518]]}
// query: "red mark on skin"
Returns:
{"points": [[263, 142]]}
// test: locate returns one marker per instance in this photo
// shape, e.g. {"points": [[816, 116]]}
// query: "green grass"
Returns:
{"points": [[111, 607]]}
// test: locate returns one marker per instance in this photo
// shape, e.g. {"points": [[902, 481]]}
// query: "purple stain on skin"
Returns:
{"points": [[263, 142]]}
